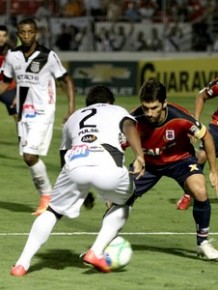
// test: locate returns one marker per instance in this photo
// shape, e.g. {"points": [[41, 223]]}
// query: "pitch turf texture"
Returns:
{"points": [[163, 238]]}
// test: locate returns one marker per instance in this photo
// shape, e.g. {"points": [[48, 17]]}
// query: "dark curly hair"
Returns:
{"points": [[153, 90], [99, 94]]}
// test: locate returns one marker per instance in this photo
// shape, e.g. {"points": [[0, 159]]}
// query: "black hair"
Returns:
{"points": [[99, 94], [29, 21], [153, 90], [3, 28]]}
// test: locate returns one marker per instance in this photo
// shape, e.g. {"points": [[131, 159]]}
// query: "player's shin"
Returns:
{"points": [[40, 177], [39, 234], [112, 223], [201, 214]]}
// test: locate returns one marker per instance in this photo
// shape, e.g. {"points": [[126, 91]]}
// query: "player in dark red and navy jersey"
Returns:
{"points": [[207, 93], [165, 131], [7, 97]]}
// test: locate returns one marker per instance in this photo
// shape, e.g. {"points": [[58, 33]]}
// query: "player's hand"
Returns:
{"points": [[138, 167], [14, 103], [214, 181], [193, 139], [67, 116]]}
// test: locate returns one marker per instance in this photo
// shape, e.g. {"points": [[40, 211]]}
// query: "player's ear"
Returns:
{"points": [[164, 104], [37, 35]]}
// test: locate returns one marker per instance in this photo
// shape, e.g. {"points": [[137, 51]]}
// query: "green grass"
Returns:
{"points": [[160, 261]]}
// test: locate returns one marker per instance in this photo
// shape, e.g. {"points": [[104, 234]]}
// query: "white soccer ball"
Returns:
{"points": [[118, 253]]}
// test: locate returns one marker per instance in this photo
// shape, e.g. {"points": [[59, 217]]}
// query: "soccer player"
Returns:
{"points": [[35, 69], [165, 131], [94, 158], [207, 93], [7, 97]]}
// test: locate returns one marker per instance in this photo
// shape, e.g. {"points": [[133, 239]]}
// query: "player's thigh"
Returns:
{"points": [[196, 185], [113, 184], [35, 137], [68, 196]]}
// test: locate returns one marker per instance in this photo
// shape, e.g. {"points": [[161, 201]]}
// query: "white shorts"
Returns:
{"points": [[35, 138], [71, 188]]}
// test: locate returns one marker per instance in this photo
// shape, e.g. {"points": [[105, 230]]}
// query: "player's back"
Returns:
{"points": [[93, 131]]}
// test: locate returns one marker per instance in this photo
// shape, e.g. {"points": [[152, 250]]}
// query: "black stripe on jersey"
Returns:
{"points": [[22, 98], [38, 63], [115, 154], [38, 48]]}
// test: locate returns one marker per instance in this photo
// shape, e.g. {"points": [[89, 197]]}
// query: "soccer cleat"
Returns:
{"points": [[44, 202], [207, 250], [99, 263], [184, 202], [18, 271]]}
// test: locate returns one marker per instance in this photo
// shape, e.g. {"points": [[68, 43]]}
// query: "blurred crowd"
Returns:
{"points": [[125, 21]]}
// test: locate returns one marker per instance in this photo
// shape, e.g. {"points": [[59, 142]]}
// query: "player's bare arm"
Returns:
{"points": [[209, 92], [199, 103], [211, 156], [67, 85], [3, 87], [133, 139]]}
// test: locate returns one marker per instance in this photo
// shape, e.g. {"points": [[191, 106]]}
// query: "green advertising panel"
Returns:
{"points": [[121, 77]]}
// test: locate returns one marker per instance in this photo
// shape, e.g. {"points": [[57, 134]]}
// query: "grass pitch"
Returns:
{"points": [[163, 238]]}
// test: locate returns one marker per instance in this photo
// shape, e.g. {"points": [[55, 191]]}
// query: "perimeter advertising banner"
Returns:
{"points": [[183, 77], [121, 77]]}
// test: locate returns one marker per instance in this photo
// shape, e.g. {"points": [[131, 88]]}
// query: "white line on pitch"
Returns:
{"points": [[93, 233]]}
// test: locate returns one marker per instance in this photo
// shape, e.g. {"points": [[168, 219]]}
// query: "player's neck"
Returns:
{"points": [[30, 50], [163, 116]]}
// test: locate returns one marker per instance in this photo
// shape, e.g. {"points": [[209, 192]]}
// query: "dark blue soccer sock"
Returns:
{"points": [[201, 214]]}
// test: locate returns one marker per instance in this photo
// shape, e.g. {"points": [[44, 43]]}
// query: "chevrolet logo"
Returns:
{"points": [[102, 73]]}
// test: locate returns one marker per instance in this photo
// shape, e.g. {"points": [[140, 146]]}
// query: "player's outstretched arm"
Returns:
{"points": [[67, 85], [211, 157], [199, 103], [3, 87], [209, 92], [134, 141]]}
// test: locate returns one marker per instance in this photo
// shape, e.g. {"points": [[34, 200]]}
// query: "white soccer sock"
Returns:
{"points": [[39, 234], [40, 177], [112, 223]]}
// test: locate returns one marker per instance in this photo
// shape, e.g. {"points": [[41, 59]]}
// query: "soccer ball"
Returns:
{"points": [[118, 253]]}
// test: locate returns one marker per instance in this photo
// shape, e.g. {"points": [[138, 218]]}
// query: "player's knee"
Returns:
{"points": [[30, 159], [58, 216]]}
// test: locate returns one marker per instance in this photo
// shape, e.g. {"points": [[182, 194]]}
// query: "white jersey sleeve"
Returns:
{"points": [[57, 68]]}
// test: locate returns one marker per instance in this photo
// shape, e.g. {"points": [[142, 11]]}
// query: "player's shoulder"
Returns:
{"points": [[137, 112], [39, 48], [177, 112], [178, 108]]}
